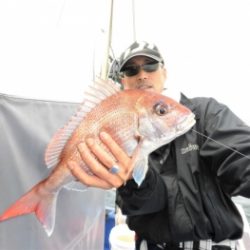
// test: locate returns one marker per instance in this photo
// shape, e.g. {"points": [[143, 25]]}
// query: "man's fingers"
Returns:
{"points": [[101, 154], [115, 149], [88, 180], [97, 168]]}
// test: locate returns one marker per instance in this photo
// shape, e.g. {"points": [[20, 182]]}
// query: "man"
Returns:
{"points": [[185, 200]]}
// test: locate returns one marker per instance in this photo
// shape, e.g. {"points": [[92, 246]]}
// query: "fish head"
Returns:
{"points": [[161, 119]]}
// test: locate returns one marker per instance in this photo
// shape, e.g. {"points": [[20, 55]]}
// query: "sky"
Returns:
{"points": [[50, 49]]}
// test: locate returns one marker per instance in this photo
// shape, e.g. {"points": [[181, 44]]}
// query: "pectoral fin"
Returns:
{"points": [[140, 170], [139, 163]]}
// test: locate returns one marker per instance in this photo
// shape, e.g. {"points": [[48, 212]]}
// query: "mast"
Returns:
{"points": [[105, 66]]}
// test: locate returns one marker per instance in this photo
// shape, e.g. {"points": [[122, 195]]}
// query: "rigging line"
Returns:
{"points": [[104, 71], [93, 65], [133, 14], [113, 54], [61, 12], [234, 150]]}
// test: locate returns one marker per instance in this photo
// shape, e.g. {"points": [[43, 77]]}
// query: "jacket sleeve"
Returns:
{"points": [[227, 148], [149, 197]]}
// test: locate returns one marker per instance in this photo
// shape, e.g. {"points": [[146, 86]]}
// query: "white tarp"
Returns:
{"points": [[26, 128]]}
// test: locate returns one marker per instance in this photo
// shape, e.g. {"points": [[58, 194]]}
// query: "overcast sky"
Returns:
{"points": [[48, 47]]}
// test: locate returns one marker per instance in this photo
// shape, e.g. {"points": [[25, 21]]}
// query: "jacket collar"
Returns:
{"points": [[189, 104]]}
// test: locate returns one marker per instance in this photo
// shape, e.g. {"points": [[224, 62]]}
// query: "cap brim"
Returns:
{"points": [[158, 59]]}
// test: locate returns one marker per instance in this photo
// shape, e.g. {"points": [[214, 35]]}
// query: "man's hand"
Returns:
{"points": [[108, 171]]}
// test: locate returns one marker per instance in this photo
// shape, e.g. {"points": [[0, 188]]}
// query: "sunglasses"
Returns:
{"points": [[135, 69]]}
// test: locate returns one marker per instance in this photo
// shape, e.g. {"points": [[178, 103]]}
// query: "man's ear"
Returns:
{"points": [[121, 86], [122, 83], [165, 73], [122, 80]]}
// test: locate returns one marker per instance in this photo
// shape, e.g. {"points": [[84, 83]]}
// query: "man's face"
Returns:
{"points": [[151, 77]]}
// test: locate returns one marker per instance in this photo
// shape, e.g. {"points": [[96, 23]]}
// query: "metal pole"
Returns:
{"points": [[105, 67], [133, 14]]}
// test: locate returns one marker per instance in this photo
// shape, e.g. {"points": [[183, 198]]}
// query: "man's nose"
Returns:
{"points": [[142, 74]]}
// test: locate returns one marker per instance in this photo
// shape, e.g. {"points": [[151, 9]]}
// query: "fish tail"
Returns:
{"points": [[43, 204]]}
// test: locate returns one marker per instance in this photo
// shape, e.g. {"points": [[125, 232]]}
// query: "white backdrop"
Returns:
{"points": [[48, 47]]}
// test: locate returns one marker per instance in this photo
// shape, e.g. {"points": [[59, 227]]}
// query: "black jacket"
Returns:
{"points": [[186, 194]]}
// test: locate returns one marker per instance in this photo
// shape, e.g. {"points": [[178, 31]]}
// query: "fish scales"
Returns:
{"points": [[136, 119]]}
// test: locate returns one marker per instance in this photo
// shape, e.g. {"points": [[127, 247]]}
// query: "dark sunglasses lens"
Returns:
{"points": [[131, 71], [134, 70], [150, 67]]}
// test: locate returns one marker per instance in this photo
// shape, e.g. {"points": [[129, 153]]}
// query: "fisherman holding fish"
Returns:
{"points": [[184, 201], [176, 162]]}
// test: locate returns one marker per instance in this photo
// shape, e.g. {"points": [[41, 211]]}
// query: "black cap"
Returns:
{"points": [[140, 49]]}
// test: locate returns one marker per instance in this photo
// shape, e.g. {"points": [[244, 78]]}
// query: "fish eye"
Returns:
{"points": [[161, 108]]}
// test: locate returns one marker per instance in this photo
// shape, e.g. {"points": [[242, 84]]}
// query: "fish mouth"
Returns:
{"points": [[181, 128], [185, 124]]}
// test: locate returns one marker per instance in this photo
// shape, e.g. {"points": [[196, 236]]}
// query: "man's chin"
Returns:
{"points": [[146, 87]]}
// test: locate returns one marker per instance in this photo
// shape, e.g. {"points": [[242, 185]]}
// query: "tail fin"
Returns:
{"points": [[44, 206]]}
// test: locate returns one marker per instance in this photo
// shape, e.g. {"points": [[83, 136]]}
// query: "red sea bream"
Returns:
{"points": [[132, 117]]}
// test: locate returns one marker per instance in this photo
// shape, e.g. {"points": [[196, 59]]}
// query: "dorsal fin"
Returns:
{"points": [[93, 95]]}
